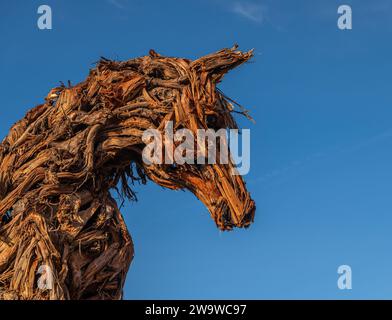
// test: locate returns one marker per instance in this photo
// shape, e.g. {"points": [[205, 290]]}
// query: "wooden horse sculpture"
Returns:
{"points": [[62, 235]]}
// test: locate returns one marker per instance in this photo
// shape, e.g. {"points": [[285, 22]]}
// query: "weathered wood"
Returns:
{"points": [[58, 164]]}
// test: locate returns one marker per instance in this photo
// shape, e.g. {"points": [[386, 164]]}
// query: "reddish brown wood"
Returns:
{"points": [[59, 162]]}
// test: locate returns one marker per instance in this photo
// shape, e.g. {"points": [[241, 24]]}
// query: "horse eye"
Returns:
{"points": [[211, 119], [172, 167], [199, 167]]}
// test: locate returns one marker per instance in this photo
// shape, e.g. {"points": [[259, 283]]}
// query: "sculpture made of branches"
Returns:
{"points": [[58, 164]]}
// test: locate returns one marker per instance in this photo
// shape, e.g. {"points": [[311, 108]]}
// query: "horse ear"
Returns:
{"points": [[219, 63]]}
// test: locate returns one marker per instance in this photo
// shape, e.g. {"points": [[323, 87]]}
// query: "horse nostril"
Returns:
{"points": [[249, 216], [226, 217]]}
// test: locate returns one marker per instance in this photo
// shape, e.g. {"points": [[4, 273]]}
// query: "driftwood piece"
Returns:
{"points": [[59, 162]]}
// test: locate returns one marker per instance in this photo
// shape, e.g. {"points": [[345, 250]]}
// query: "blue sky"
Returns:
{"points": [[321, 163]]}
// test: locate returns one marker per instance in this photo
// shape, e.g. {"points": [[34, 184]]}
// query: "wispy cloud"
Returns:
{"points": [[116, 3], [249, 10], [282, 174]]}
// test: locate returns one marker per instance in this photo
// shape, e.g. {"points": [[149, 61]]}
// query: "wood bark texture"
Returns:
{"points": [[60, 162]]}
